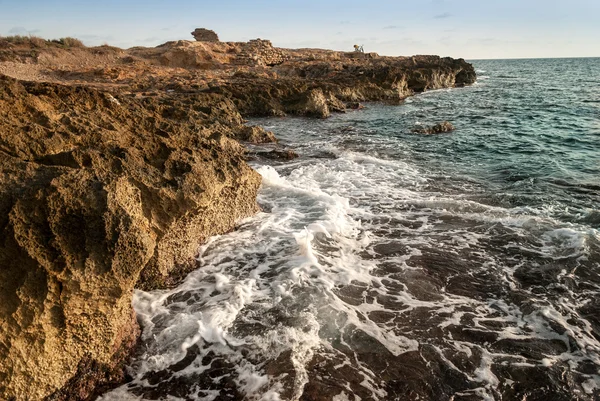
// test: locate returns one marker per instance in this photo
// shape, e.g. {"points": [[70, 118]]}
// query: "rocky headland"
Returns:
{"points": [[116, 164]]}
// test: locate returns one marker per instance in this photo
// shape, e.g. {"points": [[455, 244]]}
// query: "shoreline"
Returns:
{"points": [[113, 174]]}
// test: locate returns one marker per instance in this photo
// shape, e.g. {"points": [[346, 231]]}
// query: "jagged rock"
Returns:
{"points": [[96, 196], [277, 154], [354, 106], [255, 134], [444, 126], [312, 103], [205, 35]]}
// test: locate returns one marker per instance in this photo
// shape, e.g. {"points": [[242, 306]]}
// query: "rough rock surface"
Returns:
{"points": [[205, 35], [95, 192], [438, 128], [276, 154], [121, 162], [255, 134]]}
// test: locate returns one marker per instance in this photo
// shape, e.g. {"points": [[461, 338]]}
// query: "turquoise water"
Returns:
{"points": [[389, 265], [528, 135]]}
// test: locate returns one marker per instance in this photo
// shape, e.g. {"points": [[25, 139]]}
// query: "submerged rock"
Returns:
{"points": [[354, 106], [438, 128], [277, 154]]}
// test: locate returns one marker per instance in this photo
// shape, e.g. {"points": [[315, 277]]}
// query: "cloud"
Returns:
{"points": [[345, 22], [442, 16], [93, 40], [19, 30], [151, 39], [392, 27]]}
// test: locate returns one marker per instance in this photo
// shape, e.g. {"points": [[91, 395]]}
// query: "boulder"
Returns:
{"points": [[276, 154], [205, 35], [255, 134], [354, 106], [438, 128]]}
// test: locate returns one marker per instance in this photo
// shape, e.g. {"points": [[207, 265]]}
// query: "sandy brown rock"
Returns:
{"points": [[255, 134], [96, 191], [205, 35]]}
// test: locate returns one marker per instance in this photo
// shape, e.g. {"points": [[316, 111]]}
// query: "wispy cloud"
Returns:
{"points": [[344, 22], [19, 30], [443, 15], [151, 39], [392, 27]]}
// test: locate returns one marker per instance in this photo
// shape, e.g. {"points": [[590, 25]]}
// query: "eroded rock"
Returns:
{"points": [[94, 195], [255, 134], [438, 128], [277, 154], [205, 35]]}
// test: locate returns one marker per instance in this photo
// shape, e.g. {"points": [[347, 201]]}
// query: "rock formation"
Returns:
{"points": [[116, 164], [276, 154], [97, 191], [205, 35], [261, 52], [438, 128]]}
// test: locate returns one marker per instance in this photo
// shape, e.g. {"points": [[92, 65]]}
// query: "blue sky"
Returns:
{"points": [[457, 28]]}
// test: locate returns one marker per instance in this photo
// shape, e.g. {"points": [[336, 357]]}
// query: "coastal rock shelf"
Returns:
{"points": [[116, 164]]}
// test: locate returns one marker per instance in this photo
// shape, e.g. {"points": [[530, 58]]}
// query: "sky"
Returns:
{"points": [[458, 28]]}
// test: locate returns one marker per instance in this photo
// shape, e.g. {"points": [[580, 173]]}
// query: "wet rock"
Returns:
{"points": [[255, 134], [439, 128], [205, 35], [277, 154], [354, 106]]}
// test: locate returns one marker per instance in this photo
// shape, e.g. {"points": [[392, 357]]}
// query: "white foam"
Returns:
{"points": [[591, 384], [273, 287]]}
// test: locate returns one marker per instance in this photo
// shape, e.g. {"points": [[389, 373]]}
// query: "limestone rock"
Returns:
{"points": [[354, 106], [205, 35], [277, 154], [255, 134], [96, 196], [312, 103], [438, 128]]}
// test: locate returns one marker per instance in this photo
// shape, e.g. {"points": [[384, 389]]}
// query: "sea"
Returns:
{"points": [[392, 265]]}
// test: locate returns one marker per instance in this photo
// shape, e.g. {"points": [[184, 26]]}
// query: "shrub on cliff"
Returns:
{"points": [[69, 42], [37, 42], [19, 40]]}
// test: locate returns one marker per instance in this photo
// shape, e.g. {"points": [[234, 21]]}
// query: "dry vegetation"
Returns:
{"points": [[37, 42]]}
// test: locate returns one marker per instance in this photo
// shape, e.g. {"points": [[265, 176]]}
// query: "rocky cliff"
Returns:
{"points": [[116, 164], [97, 191]]}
